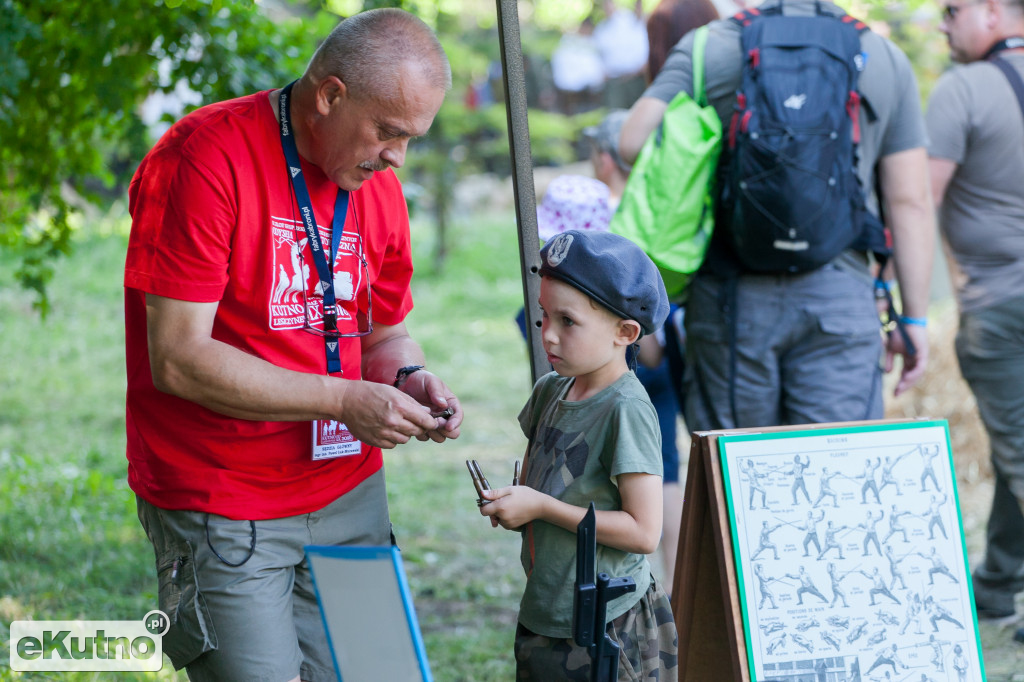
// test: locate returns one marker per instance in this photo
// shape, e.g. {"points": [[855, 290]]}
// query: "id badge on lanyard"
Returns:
{"points": [[330, 438]]}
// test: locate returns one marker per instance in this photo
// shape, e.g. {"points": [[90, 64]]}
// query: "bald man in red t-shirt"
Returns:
{"points": [[266, 287]]}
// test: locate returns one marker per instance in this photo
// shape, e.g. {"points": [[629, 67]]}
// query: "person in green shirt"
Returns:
{"points": [[593, 437]]}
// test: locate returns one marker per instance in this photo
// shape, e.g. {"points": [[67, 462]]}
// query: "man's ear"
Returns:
{"points": [[328, 91], [627, 332]]}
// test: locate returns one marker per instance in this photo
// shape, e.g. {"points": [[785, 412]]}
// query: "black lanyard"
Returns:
{"points": [[324, 268], [1011, 43]]}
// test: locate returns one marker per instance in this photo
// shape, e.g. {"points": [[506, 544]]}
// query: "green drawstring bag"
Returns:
{"points": [[667, 208]]}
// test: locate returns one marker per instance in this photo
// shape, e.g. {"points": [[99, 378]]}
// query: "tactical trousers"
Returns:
{"points": [[990, 348], [766, 350]]}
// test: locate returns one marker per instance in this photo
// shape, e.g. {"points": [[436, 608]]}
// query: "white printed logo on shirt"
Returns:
{"points": [[294, 271]]}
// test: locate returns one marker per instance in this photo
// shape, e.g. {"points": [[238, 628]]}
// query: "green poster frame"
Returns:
{"points": [[734, 502]]}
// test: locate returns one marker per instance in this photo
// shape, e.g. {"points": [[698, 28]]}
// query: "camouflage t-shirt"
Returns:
{"points": [[577, 449]]}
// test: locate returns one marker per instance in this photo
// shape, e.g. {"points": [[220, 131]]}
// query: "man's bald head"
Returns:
{"points": [[368, 50]]}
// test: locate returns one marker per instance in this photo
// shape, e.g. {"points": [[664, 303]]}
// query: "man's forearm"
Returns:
{"points": [[911, 216], [942, 171], [643, 118], [387, 350], [186, 362], [236, 384], [914, 254]]}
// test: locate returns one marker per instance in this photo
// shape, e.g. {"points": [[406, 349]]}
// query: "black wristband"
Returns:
{"points": [[404, 373]]}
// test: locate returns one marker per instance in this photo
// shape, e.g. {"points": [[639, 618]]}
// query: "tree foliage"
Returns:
{"points": [[913, 26], [74, 75]]}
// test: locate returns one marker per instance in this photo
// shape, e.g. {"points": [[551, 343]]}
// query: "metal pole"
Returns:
{"points": [[522, 177]]}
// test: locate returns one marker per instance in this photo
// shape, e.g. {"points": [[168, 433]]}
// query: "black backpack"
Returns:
{"points": [[791, 198]]}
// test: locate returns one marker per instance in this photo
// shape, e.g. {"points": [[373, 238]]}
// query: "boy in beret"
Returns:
{"points": [[593, 437]]}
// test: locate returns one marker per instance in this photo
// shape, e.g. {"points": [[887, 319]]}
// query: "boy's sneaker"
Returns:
{"points": [[1019, 635]]}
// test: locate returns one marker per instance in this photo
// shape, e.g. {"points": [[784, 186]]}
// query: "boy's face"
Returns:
{"points": [[578, 334]]}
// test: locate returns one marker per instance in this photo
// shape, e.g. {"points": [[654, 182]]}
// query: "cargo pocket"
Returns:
{"points": [[848, 367], [191, 632], [850, 325]]}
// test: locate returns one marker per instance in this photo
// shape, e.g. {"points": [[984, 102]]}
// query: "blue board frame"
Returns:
{"points": [[391, 557]]}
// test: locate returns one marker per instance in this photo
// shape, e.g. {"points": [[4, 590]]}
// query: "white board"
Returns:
{"points": [[850, 554], [368, 614]]}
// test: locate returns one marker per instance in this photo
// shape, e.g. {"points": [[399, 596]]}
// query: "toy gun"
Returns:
{"points": [[590, 603]]}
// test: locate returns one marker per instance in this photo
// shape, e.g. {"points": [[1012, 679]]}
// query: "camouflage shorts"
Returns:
{"points": [[646, 635]]}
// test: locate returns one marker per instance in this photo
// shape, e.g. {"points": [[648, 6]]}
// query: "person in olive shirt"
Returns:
{"points": [[593, 437], [976, 132]]}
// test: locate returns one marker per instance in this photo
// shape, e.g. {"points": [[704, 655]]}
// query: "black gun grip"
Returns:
{"points": [[584, 611]]}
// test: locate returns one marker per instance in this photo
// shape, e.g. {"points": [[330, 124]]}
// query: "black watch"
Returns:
{"points": [[404, 373]]}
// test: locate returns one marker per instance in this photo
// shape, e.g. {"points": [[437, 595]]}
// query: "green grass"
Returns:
{"points": [[71, 545]]}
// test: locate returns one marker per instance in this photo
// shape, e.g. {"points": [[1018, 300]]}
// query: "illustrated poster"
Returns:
{"points": [[850, 555]]}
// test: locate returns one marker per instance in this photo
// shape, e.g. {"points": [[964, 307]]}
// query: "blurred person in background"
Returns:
{"points": [[577, 70], [668, 23], [976, 158], [808, 347], [621, 41]]}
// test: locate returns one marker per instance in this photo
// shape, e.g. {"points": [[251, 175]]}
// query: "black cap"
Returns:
{"points": [[613, 271]]}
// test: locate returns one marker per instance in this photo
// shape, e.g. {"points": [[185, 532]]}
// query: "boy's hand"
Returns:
{"points": [[513, 506]]}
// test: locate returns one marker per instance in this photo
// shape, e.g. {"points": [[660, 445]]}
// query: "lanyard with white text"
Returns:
{"points": [[324, 267], [1011, 43]]}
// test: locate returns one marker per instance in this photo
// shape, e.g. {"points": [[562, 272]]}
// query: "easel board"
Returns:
{"points": [[368, 613], [849, 556], [705, 600]]}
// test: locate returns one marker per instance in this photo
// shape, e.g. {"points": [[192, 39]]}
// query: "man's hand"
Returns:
{"points": [[383, 416], [434, 396], [387, 349], [914, 365]]}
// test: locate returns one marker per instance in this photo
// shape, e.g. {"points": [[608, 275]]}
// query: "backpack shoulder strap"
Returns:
{"points": [[1016, 82], [745, 17]]}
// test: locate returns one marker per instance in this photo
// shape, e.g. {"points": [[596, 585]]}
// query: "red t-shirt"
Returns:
{"points": [[214, 218]]}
